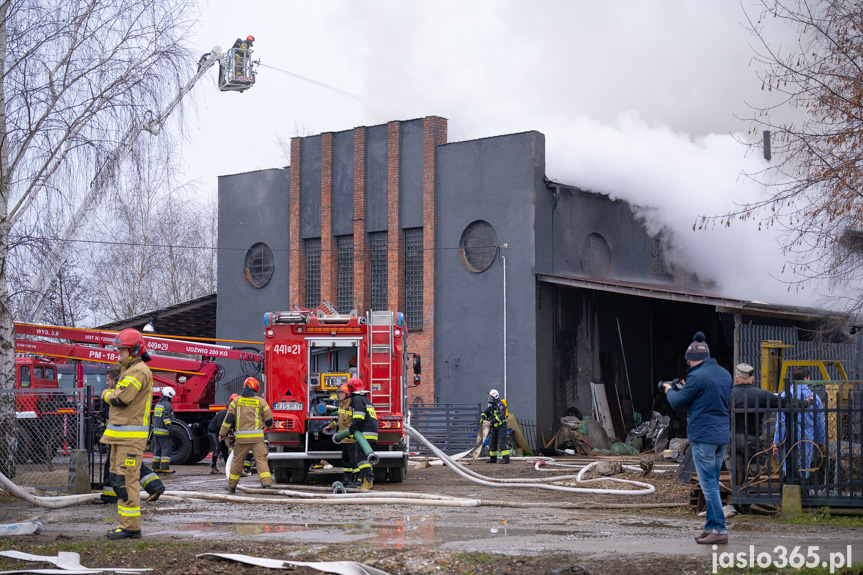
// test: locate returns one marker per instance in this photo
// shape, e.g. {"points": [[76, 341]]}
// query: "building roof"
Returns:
{"points": [[192, 318], [677, 293]]}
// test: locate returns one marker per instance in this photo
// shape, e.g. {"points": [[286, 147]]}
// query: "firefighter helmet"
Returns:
{"points": [[250, 38], [492, 395], [233, 397], [168, 392], [354, 385], [253, 383], [132, 339]]}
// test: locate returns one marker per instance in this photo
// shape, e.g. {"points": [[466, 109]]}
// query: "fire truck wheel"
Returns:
{"points": [[282, 474], [300, 474], [381, 475], [397, 474], [181, 445], [23, 446]]}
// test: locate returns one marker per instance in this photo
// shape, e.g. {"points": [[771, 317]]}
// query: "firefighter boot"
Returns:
{"points": [[505, 459], [492, 459], [368, 484], [120, 533], [154, 496]]}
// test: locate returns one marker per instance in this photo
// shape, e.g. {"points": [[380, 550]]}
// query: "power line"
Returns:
{"points": [[215, 248], [327, 86]]}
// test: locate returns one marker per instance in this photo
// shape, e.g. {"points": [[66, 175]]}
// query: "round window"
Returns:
{"points": [[258, 266], [595, 256], [478, 246]]}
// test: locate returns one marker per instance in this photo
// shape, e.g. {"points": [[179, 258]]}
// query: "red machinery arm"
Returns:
{"points": [[156, 344]]}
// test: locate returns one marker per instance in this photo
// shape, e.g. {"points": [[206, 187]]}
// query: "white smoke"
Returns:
{"points": [[639, 100]]}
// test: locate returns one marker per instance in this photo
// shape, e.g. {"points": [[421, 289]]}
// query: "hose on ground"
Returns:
{"points": [[645, 488], [48, 502]]}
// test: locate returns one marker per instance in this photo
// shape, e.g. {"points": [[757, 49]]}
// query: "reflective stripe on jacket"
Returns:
{"points": [[364, 418], [129, 401], [162, 417], [495, 413], [250, 415]]}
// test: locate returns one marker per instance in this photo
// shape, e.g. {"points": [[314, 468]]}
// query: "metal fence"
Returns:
{"points": [[49, 424], [452, 427], [816, 431]]}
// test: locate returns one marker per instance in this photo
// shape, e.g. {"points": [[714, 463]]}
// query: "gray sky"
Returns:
{"points": [[636, 99]]}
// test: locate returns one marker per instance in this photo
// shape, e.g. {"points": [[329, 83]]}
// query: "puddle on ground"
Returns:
{"points": [[401, 531]]}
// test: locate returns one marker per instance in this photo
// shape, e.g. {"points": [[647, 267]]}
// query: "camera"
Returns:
{"points": [[675, 384]]}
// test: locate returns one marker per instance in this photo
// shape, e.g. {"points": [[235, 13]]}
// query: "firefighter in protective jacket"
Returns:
{"points": [[127, 430], [250, 415], [150, 482], [349, 452], [365, 420], [496, 414], [162, 421]]}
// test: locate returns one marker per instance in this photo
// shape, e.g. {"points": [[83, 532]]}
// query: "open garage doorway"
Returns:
{"points": [[626, 344]]}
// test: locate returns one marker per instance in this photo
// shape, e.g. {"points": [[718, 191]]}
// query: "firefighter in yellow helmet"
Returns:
{"points": [[251, 416], [343, 422], [127, 430]]}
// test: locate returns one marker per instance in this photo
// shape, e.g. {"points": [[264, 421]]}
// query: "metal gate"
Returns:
{"points": [[451, 427], [818, 440]]}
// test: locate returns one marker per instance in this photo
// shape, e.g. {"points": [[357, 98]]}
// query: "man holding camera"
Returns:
{"points": [[706, 394]]}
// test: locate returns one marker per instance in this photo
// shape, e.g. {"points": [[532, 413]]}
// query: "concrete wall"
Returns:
{"points": [[497, 180], [253, 208], [579, 214]]}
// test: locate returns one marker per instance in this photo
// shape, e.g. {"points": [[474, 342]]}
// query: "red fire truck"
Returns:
{"points": [[193, 380], [307, 356]]}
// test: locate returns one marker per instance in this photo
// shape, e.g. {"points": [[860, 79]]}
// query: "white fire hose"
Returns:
{"points": [[645, 488]]}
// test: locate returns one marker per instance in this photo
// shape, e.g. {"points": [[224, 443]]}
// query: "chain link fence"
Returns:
{"points": [[49, 424]]}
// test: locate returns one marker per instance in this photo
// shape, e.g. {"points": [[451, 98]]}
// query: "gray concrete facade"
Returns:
{"points": [[253, 207]]}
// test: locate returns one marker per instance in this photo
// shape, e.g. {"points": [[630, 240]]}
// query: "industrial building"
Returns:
{"points": [[507, 280]]}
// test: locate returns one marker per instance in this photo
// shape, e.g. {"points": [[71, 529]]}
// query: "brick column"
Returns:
{"points": [[361, 244], [395, 236], [328, 245], [297, 289], [422, 341]]}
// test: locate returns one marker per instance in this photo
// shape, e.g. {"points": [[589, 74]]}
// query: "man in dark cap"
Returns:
{"points": [[706, 394], [750, 404]]}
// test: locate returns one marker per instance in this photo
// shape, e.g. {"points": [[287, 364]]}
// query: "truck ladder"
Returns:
{"points": [[380, 345]]}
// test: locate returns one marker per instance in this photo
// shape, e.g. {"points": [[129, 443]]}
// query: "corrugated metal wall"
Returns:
{"points": [[751, 337]]}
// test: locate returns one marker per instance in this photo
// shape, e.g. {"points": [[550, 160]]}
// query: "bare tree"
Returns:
{"points": [[75, 75], [165, 241], [813, 187]]}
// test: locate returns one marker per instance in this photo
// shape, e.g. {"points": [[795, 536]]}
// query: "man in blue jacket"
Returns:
{"points": [[706, 394]]}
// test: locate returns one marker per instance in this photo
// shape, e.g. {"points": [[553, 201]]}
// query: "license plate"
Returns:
{"points": [[288, 406]]}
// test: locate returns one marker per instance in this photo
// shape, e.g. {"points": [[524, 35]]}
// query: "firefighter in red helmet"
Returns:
{"points": [[349, 444], [365, 420], [241, 54], [251, 416], [128, 426]]}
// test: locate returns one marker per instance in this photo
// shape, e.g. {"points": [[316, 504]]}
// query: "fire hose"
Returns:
{"points": [[645, 488]]}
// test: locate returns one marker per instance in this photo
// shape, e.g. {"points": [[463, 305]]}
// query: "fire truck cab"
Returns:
{"points": [[307, 356], [40, 415]]}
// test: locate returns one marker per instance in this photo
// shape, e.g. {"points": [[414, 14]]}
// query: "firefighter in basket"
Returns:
{"points": [[128, 427], [496, 414], [162, 421], [251, 416], [349, 444]]}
